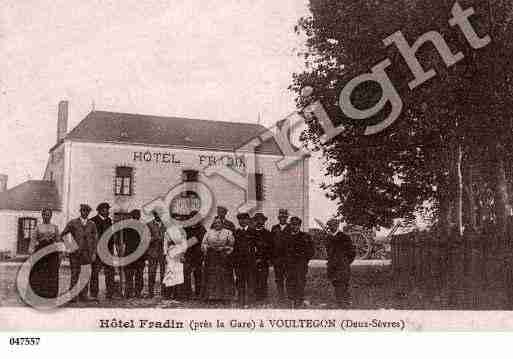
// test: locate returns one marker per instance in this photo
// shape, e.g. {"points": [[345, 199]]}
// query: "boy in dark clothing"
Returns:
{"points": [[244, 260], [263, 254], [299, 252], [341, 253]]}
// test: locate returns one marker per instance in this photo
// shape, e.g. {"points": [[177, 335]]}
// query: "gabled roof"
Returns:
{"points": [[103, 126], [30, 196]]}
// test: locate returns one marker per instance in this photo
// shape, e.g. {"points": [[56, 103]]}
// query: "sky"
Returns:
{"points": [[218, 60]]}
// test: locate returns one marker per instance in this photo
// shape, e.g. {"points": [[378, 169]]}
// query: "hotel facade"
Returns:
{"points": [[131, 160]]}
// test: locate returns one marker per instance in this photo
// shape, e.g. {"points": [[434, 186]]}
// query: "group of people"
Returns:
{"points": [[220, 264]]}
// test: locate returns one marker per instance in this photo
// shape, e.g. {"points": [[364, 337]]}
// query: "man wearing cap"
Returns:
{"points": [[155, 254], [264, 250], [102, 222], [299, 252], [221, 213], [134, 270], [341, 253], [279, 258], [244, 261], [84, 233]]}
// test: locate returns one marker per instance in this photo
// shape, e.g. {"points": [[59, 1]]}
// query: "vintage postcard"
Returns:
{"points": [[296, 165]]}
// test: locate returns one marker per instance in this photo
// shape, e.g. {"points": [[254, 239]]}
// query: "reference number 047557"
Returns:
{"points": [[24, 341]]}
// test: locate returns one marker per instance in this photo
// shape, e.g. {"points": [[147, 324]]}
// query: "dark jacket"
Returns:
{"points": [[299, 248], [86, 238], [264, 246], [279, 238], [157, 232], [132, 239], [193, 255], [101, 226], [244, 248], [341, 253]]}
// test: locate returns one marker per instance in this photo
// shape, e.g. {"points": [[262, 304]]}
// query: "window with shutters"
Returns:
{"points": [[123, 182]]}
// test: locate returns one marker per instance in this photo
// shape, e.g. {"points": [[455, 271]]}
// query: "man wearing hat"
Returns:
{"points": [[84, 233], [133, 271], [341, 253], [264, 250], [155, 254], [193, 258], [279, 258], [221, 213], [299, 252], [243, 257], [102, 222]]}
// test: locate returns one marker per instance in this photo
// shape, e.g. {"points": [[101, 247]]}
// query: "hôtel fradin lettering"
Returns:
{"points": [[202, 160]]}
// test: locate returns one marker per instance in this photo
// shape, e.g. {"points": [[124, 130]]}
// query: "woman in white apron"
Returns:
{"points": [[175, 245]]}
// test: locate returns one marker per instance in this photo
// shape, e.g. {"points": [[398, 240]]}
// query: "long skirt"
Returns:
{"points": [[44, 276], [218, 281]]}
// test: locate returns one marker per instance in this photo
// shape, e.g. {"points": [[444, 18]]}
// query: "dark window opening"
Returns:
{"points": [[190, 176]]}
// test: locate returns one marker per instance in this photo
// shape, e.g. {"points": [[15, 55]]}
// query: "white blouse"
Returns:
{"points": [[219, 240]]}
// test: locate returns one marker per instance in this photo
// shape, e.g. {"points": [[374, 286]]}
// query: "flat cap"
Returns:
{"points": [[283, 212], [296, 220], [259, 216], [243, 215], [85, 207], [103, 205]]}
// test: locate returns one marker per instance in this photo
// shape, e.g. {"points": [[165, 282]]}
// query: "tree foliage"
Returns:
{"points": [[465, 108]]}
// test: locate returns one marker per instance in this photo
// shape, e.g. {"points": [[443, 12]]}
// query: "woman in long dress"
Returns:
{"points": [[217, 246], [44, 276]]}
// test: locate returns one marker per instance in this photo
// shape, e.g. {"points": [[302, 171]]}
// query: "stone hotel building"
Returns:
{"points": [[129, 160]]}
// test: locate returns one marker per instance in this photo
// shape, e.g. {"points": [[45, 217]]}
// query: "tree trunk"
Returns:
{"points": [[471, 198], [459, 191], [501, 192]]}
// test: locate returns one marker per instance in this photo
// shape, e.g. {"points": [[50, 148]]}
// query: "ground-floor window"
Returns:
{"points": [[26, 229]]}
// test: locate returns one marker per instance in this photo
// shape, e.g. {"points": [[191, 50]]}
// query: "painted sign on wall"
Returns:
{"points": [[157, 157]]}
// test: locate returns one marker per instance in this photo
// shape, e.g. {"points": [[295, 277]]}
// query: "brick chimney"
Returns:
{"points": [[3, 182], [62, 120]]}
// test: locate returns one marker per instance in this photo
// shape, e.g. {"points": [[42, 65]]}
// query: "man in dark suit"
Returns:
{"points": [[244, 261], [133, 271], [193, 259], [299, 252], [341, 253], [279, 258], [102, 222], [155, 254], [84, 233], [264, 249]]}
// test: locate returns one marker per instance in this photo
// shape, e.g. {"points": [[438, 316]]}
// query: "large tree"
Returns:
{"points": [[451, 145]]}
